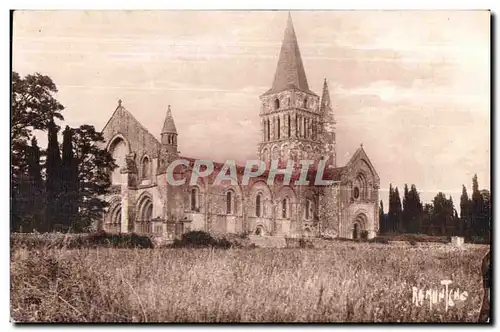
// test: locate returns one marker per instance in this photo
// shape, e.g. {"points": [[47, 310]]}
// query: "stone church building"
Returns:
{"points": [[296, 124]]}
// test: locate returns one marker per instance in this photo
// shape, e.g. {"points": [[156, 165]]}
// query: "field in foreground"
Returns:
{"points": [[346, 282]]}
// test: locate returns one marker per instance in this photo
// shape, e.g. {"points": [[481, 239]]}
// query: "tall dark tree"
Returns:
{"points": [[69, 181], [427, 215], [53, 178], [486, 215], [30, 193], [412, 210], [406, 214], [443, 215], [477, 206], [33, 107], [391, 227], [465, 212], [94, 168], [398, 215], [382, 219]]}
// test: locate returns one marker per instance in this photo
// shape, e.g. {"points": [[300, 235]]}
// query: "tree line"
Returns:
{"points": [[440, 216], [60, 187]]}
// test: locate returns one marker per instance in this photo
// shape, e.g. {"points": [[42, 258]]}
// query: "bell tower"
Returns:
{"points": [[168, 138], [290, 111], [328, 134]]}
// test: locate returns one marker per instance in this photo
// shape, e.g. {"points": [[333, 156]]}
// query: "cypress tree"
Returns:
{"points": [[477, 206], [36, 191], [53, 180], [390, 215], [381, 218], [465, 213], [69, 181], [406, 212], [398, 215]]}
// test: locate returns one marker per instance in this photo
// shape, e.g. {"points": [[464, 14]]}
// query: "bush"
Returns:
{"points": [[200, 239], [98, 239]]}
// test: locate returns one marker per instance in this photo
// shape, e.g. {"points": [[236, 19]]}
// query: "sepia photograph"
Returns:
{"points": [[250, 166]]}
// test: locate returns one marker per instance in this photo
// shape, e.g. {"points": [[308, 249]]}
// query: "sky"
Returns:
{"points": [[412, 86]]}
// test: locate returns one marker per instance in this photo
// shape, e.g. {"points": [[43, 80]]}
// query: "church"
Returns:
{"points": [[296, 124]]}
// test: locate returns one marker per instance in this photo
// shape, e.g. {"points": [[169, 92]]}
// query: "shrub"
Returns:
{"points": [[200, 239], [98, 239]]}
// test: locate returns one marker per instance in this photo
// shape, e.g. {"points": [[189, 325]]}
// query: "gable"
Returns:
{"points": [[361, 162], [140, 140]]}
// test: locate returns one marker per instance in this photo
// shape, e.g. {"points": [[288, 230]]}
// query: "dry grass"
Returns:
{"points": [[344, 282]]}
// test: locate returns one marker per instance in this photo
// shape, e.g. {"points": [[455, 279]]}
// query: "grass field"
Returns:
{"points": [[343, 282]]}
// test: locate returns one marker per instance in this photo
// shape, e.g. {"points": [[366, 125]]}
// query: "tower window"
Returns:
{"points": [[194, 199], [308, 209], [229, 202], [276, 103], [284, 208], [268, 130], [296, 125], [305, 102], [258, 206], [279, 128], [289, 129]]}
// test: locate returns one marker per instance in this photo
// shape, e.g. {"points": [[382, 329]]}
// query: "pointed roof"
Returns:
{"points": [[326, 104], [169, 125], [290, 71], [325, 98], [360, 154]]}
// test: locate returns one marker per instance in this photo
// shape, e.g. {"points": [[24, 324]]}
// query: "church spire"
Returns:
{"points": [[169, 125], [326, 103], [290, 71]]}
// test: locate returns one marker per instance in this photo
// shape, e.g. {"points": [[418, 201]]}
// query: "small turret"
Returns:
{"points": [[169, 132]]}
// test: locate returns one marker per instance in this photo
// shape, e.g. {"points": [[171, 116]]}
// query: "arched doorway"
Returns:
{"points": [[356, 233], [259, 231], [359, 227], [144, 215], [113, 221]]}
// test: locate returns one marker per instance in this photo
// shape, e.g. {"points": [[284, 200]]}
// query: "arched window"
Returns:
{"points": [[305, 102], [113, 222], [145, 168], [194, 199], [279, 128], [258, 206], [276, 103], [275, 153], [286, 151], [362, 190], [296, 125], [284, 208], [118, 150], [146, 209], [268, 130], [265, 155], [289, 126], [309, 209], [264, 126], [229, 202], [148, 212], [144, 215]]}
